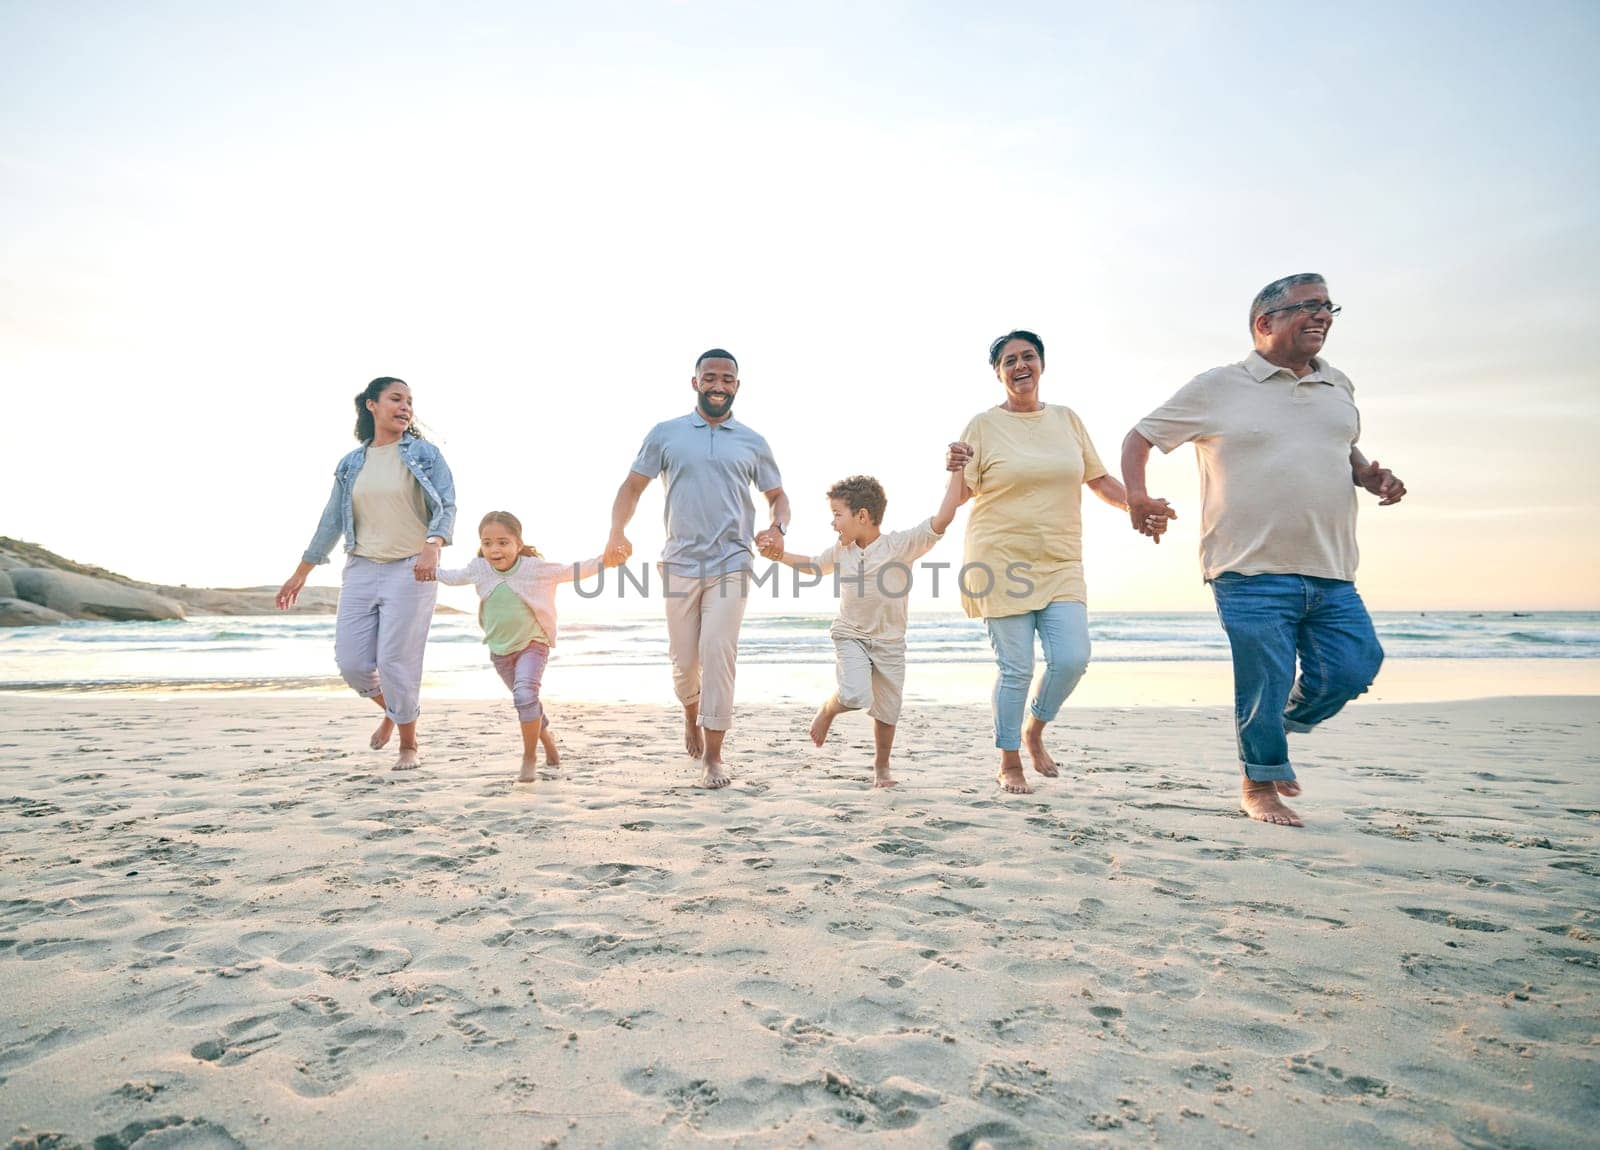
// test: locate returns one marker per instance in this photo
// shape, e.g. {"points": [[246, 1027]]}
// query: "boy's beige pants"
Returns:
{"points": [[703, 619]]}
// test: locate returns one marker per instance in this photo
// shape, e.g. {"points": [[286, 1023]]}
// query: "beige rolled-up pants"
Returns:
{"points": [[703, 619]]}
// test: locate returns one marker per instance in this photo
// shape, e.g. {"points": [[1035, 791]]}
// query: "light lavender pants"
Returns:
{"points": [[382, 628]]}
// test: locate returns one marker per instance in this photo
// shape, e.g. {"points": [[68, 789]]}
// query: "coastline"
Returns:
{"points": [[235, 924]]}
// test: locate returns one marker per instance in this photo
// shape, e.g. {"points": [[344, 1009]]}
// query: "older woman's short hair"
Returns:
{"points": [[1277, 291], [996, 347]]}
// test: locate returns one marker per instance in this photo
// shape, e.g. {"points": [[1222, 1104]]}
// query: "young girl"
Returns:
{"points": [[516, 606]]}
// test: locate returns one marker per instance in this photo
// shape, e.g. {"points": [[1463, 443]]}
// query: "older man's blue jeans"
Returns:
{"points": [[1271, 619]]}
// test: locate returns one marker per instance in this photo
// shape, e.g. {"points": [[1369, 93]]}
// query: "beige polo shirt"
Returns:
{"points": [[875, 581], [1024, 547], [1276, 496]]}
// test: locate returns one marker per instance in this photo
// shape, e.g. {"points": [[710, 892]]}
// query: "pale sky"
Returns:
{"points": [[218, 221]]}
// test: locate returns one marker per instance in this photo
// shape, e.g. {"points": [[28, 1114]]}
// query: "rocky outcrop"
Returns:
{"points": [[21, 613], [87, 597]]}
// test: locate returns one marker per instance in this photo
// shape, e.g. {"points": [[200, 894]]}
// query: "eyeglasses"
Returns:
{"points": [[1308, 307]]}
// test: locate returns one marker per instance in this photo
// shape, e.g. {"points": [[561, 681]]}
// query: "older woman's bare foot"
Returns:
{"points": [[407, 760], [1033, 739], [548, 741], [1288, 788], [880, 778], [529, 772], [1012, 780], [712, 776], [1261, 801], [380, 737]]}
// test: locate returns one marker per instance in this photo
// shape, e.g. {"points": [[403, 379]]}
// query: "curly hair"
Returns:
{"points": [[861, 493], [364, 423]]}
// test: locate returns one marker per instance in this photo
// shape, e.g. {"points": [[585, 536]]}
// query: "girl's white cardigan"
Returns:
{"points": [[534, 580]]}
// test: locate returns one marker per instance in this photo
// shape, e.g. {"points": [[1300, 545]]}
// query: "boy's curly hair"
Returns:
{"points": [[861, 493]]}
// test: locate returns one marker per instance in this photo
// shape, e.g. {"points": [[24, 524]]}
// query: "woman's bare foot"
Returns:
{"points": [[407, 760], [380, 737], [1012, 780], [529, 772], [712, 776], [880, 778], [823, 722], [1288, 788], [1261, 801], [1033, 739], [552, 756]]}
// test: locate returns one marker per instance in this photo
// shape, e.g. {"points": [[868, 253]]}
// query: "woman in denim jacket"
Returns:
{"points": [[394, 502]]}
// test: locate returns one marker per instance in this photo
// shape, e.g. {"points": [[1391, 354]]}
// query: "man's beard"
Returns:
{"points": [[714, 411]]}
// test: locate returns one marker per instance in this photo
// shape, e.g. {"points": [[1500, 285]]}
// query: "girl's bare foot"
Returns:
{"points": [[1288, 788], [880, 778], [380, 737], [552, 756], [1012, 780], [1261, 801], [407, 760], [1033, 739], [529, 772]]}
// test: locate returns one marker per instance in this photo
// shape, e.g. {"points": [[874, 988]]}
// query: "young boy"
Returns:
{"points": [[874, 579]]}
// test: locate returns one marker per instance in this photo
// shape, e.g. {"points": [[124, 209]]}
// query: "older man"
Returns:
{"points": [[708, 462], [1275, 438]]}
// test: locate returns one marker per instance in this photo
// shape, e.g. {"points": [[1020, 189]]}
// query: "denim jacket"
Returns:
{"points": [[423, 460]]}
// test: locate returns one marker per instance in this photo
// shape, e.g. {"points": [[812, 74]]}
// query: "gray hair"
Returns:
{"points": [[1277, 291]]}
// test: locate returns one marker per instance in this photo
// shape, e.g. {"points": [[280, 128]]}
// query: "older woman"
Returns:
{"points": [[394, 502], [1025, 462]]}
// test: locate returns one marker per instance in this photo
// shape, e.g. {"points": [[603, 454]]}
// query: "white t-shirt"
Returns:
{"points": [[874, 582]]}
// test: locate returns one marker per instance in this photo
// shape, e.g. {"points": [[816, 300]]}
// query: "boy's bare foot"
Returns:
{"points": [[693, 741], [529, 772], [552, 756], [712, 776], [1012, 780], [880, 778], [380, 737], [1033, 739], [822, 723], [1261, 801], [407, 760], [1288, 788]]}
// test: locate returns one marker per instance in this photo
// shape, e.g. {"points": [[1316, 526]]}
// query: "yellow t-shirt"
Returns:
{"points": [[391, 513], [1024, 547]]}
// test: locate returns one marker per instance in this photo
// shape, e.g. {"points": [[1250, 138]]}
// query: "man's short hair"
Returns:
{"points": [[1277, 291], [716, 353], [861, 493]]}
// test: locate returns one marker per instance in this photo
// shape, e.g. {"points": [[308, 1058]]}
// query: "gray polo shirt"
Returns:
{"points": [[708, 471]]}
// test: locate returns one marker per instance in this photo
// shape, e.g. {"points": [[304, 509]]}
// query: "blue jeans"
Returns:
{"points": [[1063, 630], [1269, 620]]}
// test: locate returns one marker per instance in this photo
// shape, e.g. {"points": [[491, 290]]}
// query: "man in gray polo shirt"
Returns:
{"points": [[1275, 436], [707, 461]]}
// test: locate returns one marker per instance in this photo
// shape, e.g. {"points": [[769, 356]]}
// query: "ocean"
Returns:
{"points": [[783, 655]]}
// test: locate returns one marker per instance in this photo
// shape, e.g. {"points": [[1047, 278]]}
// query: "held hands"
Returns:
{"points": [[770, 543], [958, 456], [1150, 516], [426, 568], [617, 551], [1381, 482], [290, 591]]}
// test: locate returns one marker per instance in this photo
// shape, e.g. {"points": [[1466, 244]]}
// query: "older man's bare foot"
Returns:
{"points": [[881, 778], [1261, 801], [380, 737], [1012, 780], [407, 760], [552, 756], [823, 723], [1288, 788], [693, 741], [712, 776], [1033, 739], [529, 772]]}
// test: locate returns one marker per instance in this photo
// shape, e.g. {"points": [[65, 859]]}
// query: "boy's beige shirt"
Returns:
{"points": [[874, 597], [1026, 475], [390, 511], [1276, 495]]}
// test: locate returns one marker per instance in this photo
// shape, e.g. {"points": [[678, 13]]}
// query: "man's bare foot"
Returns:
{"points": [[380, 737], [529, 772], [1033, 739], [822, 723], [1261, 801], [1288, 788], [693, 741], [880, 778], [712, 776], [407, 760], [552, 756], [1012, 781]]}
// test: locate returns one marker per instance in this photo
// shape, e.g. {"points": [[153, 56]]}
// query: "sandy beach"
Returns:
{"points": [[226, 923]]}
